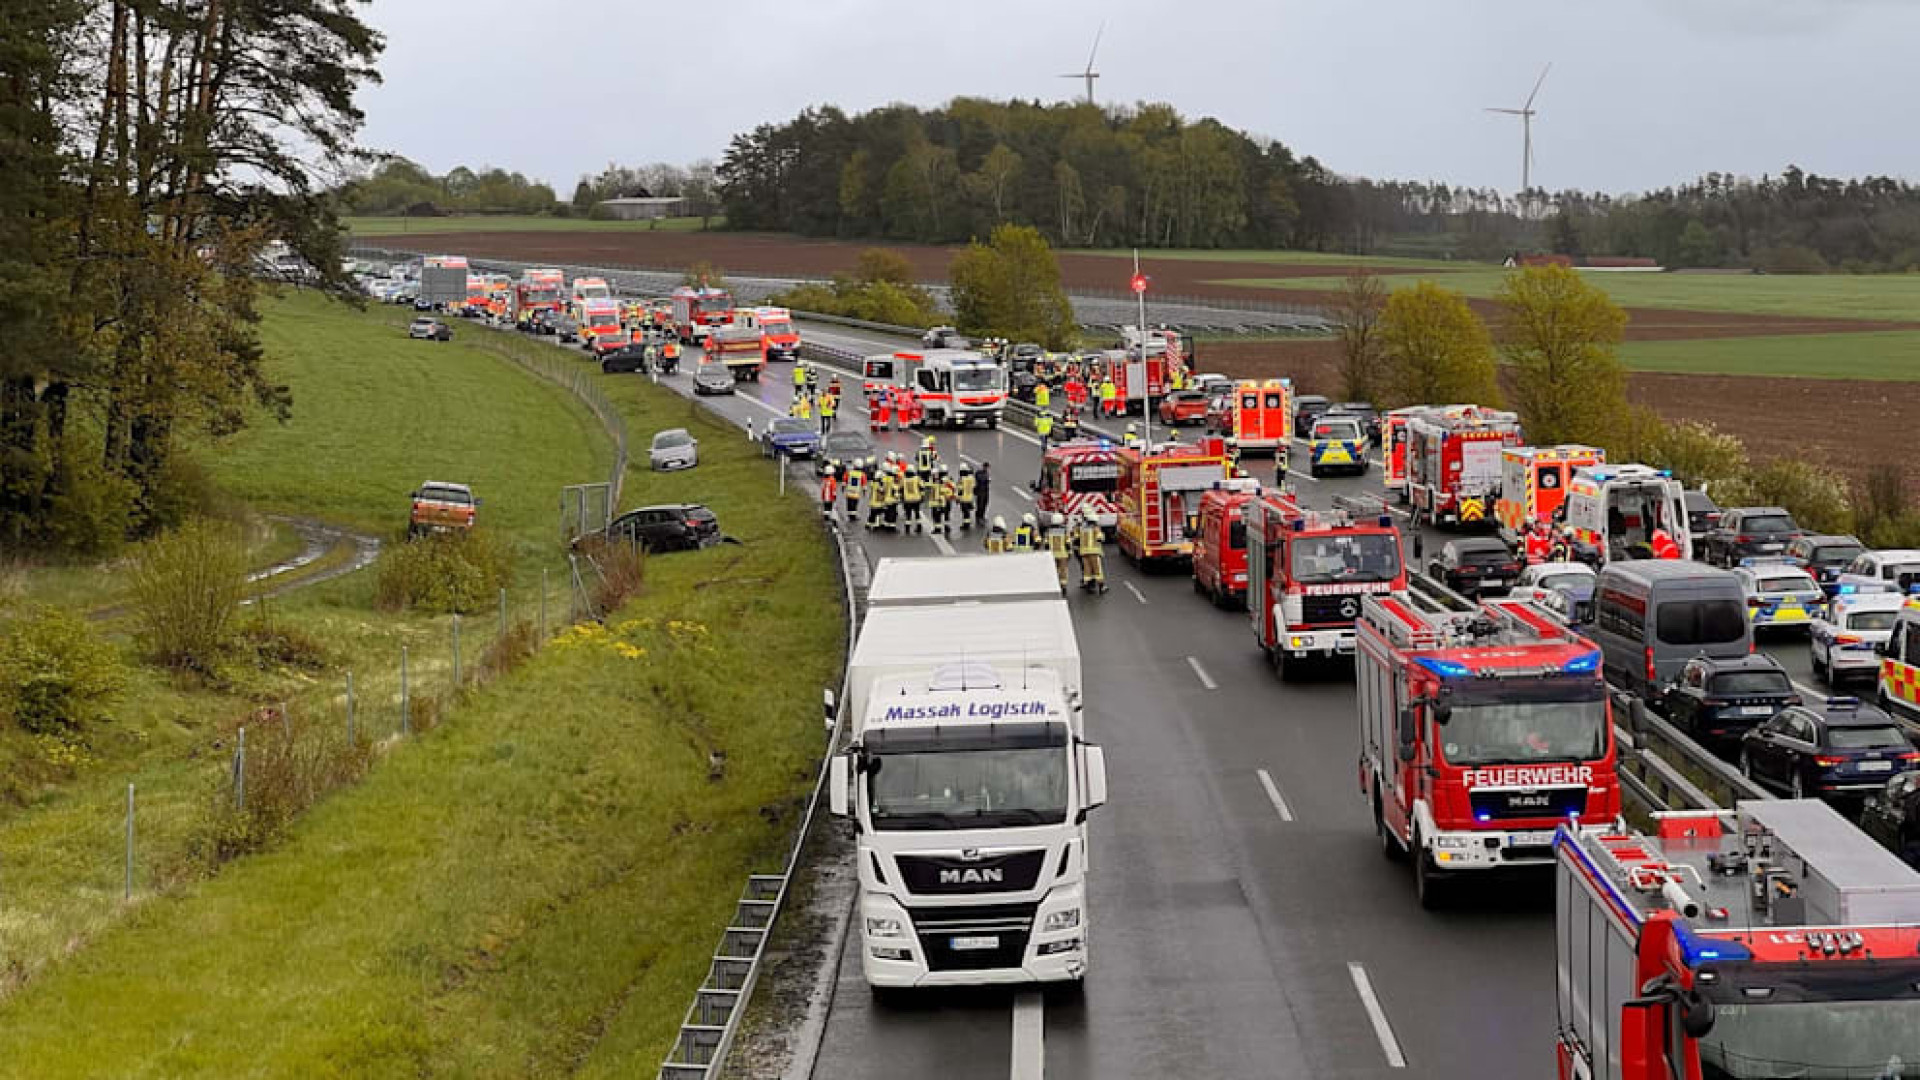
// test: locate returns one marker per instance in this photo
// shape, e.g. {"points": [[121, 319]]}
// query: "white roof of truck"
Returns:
{"points": [[1011, 635], [942, 580]]}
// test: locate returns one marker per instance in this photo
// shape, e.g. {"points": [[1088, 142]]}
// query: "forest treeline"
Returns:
{"points": [[1146, 176]]}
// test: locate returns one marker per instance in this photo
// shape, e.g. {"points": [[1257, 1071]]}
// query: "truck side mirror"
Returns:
{"points": [[828, 705], [837, 785], [1095, 760], [1408, 732], [1696, 1014]]}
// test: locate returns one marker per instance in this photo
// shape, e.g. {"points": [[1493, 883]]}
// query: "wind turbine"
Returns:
{"points": [[1089, 75], [1526, 113]]}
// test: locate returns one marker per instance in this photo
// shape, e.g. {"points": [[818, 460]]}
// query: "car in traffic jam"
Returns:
{"points": [[1475, 565], [1717, 700], [1840, 749]]}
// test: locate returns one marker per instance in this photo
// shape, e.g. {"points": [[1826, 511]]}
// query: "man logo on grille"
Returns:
{"points": [[1349, 608], [971, 876], [971, 854]]}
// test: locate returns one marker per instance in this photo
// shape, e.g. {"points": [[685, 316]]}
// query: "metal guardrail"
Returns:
{"points": [[1705, 781], [712, 1021]]}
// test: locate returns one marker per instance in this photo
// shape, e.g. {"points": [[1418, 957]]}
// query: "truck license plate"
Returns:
{"points": [[1529, 839], [974, 944]]}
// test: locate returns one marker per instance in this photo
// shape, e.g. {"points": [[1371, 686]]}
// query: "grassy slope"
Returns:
{"points": [[399, 226], [533, 889], [343, 457], [1826, 296]]}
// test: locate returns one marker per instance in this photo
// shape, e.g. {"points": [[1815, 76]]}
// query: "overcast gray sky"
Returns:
{"points": [[1643, 93]]}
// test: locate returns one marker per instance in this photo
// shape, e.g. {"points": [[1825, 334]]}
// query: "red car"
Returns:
{"points": [[608, 341], [1183, 407]]}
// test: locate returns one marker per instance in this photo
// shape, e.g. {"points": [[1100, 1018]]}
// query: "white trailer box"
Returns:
{"points": [[1012, 636], [941, 580]]}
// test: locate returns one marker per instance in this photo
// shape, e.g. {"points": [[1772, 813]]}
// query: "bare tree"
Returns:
{"points": [[1358, 306]]}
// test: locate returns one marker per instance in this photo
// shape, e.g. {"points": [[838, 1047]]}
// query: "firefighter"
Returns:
{"points": [[803, 406], [879, 495], [1042, 396], [852, 488], [985, 476], [833, 391], [1070, 424], [963, 495], [1059, 544], [670, 355], [1027, 534], [927, 456], [813, 379], [829, 490], [1280, 465], [799, 376], [1539, 543], [1131, 437], [913, 493], [1043, 426], [1233, 457], [826, 414], [1093, 572], [997, 537], [880, 411], [1076, 390], [896, 490], [1109, 397]]}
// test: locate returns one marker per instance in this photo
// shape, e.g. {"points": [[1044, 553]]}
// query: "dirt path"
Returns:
{"points": [[337, 550]]}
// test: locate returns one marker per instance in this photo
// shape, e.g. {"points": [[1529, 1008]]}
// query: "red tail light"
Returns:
{"points": [[1907, 755], [1652, 672], [1829, 762], [1847, 639]]}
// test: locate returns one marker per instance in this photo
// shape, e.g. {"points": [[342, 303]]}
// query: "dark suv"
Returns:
{"points": [[1749, 532], [674, 527], [1305, 408], [1718, 699], [1825, 557]]}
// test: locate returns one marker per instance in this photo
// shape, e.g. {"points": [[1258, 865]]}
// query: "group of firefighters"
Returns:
{"points": [[811, 400], [1063, 538], [917, 495], [1083, 386]]}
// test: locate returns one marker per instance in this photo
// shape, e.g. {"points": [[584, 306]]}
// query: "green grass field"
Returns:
{"points": [[532, 889], [1889, 356], [1893, 297], [427, 226], [1273, 258]]}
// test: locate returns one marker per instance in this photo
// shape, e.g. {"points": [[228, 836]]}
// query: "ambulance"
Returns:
{"points": [[1081, 476], [1533, 484], [955, 387], [585, 289], [1159, 496], [1262, 415], [597, 317], [1900, 666], [1616, 510]]}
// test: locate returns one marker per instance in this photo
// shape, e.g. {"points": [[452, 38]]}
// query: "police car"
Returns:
{"points": [[1899, 567], [1338, 443], [1843, 637], [1780, 595]]}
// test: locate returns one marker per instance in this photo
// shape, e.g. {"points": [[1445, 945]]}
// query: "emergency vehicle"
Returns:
{"points": [[584, 290], [1308, 570], [1137, 380], [778, 338], [1846, 636], [499, 296], [1261, 415], [1533, 484], [738, 347], [597, 317], [697, 311], [1160, 490], [1772, 940], [1336, 441], [1453, 462], [1615, 511], [475, 302], [443, 280], [537, 290], [955, 387], [1162, 342], [1482, 729], [1900, 666], [1393, 449], [878, 373], [1220, 543], [1081, 476]]}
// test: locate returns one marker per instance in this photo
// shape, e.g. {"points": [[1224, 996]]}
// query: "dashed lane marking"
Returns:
{"points": [[1273, 795], [1382, 1030], [1137, 595], [1206, 680], [941, 543], [1029, 1037]]}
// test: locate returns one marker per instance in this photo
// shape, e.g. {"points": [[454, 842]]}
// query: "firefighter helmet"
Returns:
{"points": [[999, 523], [966, 467], [1058, 520], [1027, 519]]}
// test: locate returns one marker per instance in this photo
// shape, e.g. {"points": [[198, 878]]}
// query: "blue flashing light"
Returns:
{"points": [[1386, 521], [1584, 664], [1847, 590], [1299, 524], [1483, 816], [1696, 950], [1446, 669], [1843, 702], [1106, 443]]}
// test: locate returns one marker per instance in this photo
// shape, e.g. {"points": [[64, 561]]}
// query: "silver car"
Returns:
{"points": [[674, 449]]}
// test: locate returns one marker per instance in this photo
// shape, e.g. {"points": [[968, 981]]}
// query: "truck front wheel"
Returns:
{"points": [[1428, 883]]}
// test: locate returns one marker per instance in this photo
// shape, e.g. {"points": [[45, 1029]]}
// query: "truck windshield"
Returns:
{"points": [[1345, 557], [1096, 478], [968, 789], [1528, 728], [980, 378], [1815, 1040]]}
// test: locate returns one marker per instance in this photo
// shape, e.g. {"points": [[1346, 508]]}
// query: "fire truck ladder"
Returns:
{"points": [[1358, 507], [1422, 627]]}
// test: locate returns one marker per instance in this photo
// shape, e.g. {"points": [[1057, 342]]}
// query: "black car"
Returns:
{"points": [[1475, 565], [1841, 749], [1892, 816], [713, 377], [626, 358], [541, 322], [842, 447], [563, 327], [1305, 408], [1719, 699], [1825, 557], [1749, 532], [1702, 515], [674, 527], [1369, 417]]}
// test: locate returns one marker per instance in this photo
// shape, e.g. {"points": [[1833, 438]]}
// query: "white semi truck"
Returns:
{"points": [[969, 774]]}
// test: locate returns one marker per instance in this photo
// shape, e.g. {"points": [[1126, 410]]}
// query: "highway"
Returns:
{"points": [[1243, 922]]}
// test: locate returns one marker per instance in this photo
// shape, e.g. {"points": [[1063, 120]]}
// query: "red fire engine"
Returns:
{"points": [[696, 310], [1775, 940], [537, 290], [1262, 415], [1220, 544], [1307, 571], [1137, 380], [1393, 440], [1482, 729], [1159, 490], [1453, 462], [1533, 483], [1079, 476]]}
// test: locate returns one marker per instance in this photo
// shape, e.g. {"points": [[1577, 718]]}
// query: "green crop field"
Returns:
{"points": [[566, 846], [1894, 297], [428, 226], [1886, 356], [1273, 258]]}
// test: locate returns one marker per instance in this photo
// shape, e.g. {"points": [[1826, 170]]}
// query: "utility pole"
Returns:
{"points": [[1146, 386]]}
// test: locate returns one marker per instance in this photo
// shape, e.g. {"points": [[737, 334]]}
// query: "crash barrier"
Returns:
{"points": [[707, 1033]]}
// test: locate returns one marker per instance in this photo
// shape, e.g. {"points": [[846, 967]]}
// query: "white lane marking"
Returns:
{"points": [[1303, 476], [1029, 1037], [1022, 492], [1206, 680], [1136, 592], [1381, 1029], [940, 542], [1273, 795]]}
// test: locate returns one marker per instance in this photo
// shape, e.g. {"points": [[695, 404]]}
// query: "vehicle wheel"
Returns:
{"points": [[1819, 670], [1199, 586], [1288, 670], [1390, 846], [1427, 880]]}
